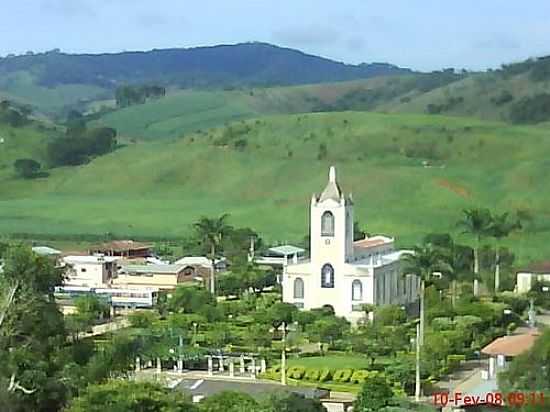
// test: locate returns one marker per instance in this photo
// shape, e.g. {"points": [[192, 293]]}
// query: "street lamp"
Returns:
{"points": [[418, 389], [283, 356], [195, 326]]}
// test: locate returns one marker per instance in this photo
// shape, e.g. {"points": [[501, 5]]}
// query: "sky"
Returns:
{"points": [[420, 34]]}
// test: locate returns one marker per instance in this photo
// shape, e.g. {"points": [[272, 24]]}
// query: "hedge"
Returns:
{"points": [[342, 375], [296, 372], [313, 374], [325, 375], [360, 376]]}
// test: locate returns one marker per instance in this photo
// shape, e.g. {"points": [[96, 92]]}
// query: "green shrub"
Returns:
{"points": [[296, 372], [313, 374], [273, 373], [325, 375], [454, 361], [240, 144], [360, 376], [342, 375]]}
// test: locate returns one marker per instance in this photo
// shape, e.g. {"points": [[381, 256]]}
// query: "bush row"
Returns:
{"points": [[321, 374]]}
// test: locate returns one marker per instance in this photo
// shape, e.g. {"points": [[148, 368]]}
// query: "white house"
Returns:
{"points": [[90, 271], [536, 272], [342, 273]]}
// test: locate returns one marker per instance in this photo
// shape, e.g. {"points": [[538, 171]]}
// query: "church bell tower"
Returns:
{"points": [[331, 225]]}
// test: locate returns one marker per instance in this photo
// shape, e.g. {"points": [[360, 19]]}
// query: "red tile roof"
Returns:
{"points": [[541, 267], [511, 345], [121, 245], [369, 242]]}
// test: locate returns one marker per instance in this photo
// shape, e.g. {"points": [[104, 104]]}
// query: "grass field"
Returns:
{"points": [[158, 188], [187, 111]]}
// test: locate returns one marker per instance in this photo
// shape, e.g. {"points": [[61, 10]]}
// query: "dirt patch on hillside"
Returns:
{"points": [[454, 187]]}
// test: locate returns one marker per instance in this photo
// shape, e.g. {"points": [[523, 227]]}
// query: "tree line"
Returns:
{"points": [[14, 115], [128, 95], [76, 146]]}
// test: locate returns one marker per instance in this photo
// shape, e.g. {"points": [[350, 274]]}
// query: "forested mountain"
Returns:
{"points": [[224, 65]]}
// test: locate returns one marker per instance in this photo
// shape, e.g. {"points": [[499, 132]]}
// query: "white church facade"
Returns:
{"points": [[342, 273]]}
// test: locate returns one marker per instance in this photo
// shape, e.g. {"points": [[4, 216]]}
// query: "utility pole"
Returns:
{"points": [[283, 356], [417, 390]]}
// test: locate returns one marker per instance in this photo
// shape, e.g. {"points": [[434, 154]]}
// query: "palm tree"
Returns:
{"points": [[477, 223], [423, 261], [211, 232], [500, 228]]}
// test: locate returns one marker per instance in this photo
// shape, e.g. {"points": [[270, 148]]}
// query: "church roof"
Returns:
{"points": [[368, 242], [332, 190]]}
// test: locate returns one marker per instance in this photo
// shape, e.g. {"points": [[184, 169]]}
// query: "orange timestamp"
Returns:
{"points": [[516, 399]]}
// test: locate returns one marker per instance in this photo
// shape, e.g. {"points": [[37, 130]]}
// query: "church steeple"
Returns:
{"points": [[332, 190], [332, 174]]}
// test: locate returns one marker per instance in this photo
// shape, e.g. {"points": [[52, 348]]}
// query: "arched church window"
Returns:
{"points": [[298, 288], [327, 224], [327, 276], [356, 290]]}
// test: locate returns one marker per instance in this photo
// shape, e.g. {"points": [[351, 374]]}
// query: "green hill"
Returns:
{"points": [[511, 94], [28, 141], [187, 111], [54, 81], [409, 174]]}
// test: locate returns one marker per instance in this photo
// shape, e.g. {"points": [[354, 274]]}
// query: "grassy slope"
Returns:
{"points": [[24, 142], [187, 111], [477, 91], [22, 88], [158, 188]]}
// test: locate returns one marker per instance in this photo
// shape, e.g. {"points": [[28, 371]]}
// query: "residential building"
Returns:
{"points": [[201, 266], [46, 251], [152, 276], [502, 350], [536, 272], [343, 274], [89, 271], [122, 248], [279, 256]]}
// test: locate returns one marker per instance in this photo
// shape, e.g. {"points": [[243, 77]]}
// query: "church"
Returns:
{"points": [[341, 273]]}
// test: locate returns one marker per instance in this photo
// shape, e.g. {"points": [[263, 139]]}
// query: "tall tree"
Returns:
{"points": [[423, 262], [211, 232], [129, 396], [31, 332], [501, 227], [476, 222], [458, 256]]}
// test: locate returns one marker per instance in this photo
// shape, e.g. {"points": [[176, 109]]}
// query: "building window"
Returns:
{"points": [[83, 269], [327, 276], [327, 224], [298, 288], [356, 290]]}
